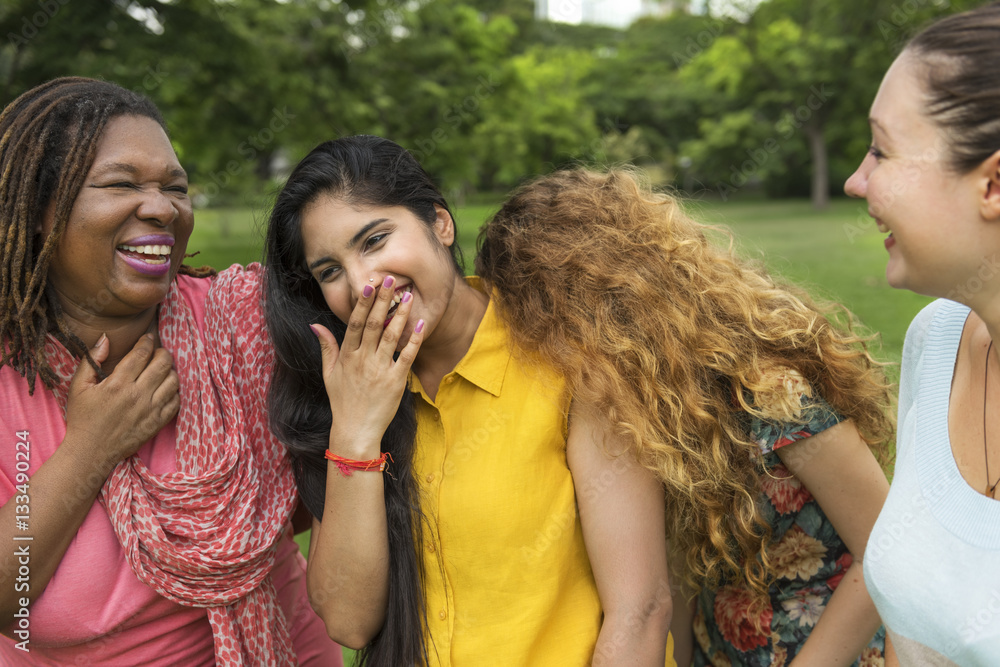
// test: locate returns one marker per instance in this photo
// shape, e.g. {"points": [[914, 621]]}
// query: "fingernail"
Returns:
{"points": [[406, 297], [314, 330], [387, 282], [419, 327], [368, 291], [101, 340]]}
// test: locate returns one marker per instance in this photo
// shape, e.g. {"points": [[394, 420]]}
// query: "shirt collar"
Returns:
{"points": [[485, 363]]}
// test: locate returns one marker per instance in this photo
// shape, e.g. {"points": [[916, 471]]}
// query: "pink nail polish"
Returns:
{"points": [[406, 297], [388, 281], [419, 327], [314, 330], [368, 291]]}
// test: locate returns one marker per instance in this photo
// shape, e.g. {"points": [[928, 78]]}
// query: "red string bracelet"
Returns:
{"points": [[347, 465]]}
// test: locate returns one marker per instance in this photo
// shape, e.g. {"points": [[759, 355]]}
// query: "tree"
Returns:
{"points": [[794, 74]]}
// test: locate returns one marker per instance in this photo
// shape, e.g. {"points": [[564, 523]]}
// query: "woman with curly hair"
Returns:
{"points": [[761, 416], [466, 512]]}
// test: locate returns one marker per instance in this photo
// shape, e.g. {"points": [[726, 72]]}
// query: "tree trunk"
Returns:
{"points": [[820, 163]]}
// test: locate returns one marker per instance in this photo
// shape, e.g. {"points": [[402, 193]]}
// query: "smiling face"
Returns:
{"points": [[348, 247], [129, 226], [930, 212]]}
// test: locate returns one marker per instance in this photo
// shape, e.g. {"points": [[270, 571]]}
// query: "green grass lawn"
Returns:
{"points": [[836, 254]]}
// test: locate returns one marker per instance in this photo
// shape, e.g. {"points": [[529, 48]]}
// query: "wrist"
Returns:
{"points": [[91, 466], [347, 466], [356, 446]]}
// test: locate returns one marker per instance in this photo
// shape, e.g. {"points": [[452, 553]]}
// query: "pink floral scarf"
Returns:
{"points": [[205, 535]]}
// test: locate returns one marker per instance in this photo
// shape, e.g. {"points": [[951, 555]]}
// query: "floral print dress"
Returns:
{"points": [[809, 556]]}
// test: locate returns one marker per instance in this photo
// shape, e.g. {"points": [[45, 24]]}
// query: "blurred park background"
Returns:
{"points": [[754, 111]]}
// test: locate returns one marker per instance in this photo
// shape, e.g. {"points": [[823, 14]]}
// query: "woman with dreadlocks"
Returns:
{"points": [[135, 450], [759, 415]]}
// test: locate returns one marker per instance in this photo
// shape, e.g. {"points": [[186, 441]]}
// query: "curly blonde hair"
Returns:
{"points": [[676, 340]]}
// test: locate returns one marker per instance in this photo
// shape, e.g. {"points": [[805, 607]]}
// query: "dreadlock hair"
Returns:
{"points": [[677, 341], [48, 141], [361, 171]]}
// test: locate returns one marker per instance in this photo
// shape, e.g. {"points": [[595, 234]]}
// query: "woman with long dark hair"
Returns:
{"points": [[467, 509]]}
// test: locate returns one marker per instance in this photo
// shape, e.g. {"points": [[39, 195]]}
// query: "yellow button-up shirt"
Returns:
{"points": [[506, 573]]}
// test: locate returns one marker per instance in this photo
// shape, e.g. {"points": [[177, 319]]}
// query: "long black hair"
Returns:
{"points": [[361, 170]]}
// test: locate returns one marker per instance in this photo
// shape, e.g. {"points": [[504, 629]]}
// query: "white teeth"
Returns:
{"points": [[147, 249], [398, 296]]}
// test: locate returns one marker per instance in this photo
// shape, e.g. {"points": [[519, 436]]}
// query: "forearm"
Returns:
{"points": [[635, 638], [681, 623], [60, 494], [845, 626], [348, 568]]}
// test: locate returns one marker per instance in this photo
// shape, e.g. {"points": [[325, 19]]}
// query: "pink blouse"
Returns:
{"points": [[94, 609]]}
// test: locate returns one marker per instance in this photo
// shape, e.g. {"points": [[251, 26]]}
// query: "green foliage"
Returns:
{"points": [[483, 93]]}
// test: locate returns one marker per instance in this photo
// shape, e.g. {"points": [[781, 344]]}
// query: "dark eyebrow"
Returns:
{"points": [[364, 230], [118, 166], [353, 242], [176, 172]]}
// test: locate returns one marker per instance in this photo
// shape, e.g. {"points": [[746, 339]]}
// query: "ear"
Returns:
{"points": [[444, 226], [989, 205]]}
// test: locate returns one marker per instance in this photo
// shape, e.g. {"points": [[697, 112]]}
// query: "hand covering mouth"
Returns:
{"points": [[396, 299]]}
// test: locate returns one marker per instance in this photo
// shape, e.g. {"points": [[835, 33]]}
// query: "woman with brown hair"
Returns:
{"points": [[762, 418]]}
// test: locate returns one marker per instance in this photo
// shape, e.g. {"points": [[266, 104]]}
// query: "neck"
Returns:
{"points": [[987, 309], [123, 332], [452, 337]]}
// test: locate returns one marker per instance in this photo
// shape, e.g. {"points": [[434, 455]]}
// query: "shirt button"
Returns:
{"points": [[430, 547], [430, 478], [437, 416], [443, 615]]}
